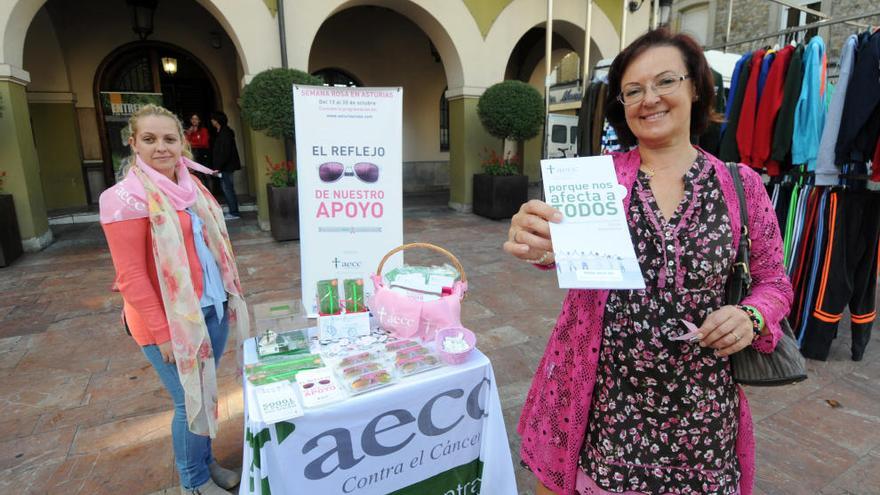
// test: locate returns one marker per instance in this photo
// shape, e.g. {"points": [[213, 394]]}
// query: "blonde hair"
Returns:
{"points": [[152, 110]]}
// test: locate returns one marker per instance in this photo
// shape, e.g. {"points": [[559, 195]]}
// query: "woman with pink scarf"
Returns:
{"points": [[618, 404], [177, 274]]}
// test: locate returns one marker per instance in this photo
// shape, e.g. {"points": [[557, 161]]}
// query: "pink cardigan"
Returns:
{"points": [[557, 407]]}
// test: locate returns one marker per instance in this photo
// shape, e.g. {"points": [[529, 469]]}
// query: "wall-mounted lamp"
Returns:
{"points": [[169, 65], [142, 12], [634, 5]]}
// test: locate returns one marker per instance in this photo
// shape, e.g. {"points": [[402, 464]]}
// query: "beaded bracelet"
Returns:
{"points": [[756, 318]]}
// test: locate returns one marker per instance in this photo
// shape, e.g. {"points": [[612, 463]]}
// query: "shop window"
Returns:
{"points": [[695, 22], [558, 133], [134, 75], [795, 18]]}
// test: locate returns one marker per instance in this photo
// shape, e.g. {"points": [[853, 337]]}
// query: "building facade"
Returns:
{"points": [[68, 70], [706, 20]]}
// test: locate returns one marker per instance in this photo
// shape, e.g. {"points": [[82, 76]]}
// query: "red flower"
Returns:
{"points": [[205, 351], [170, 282]]}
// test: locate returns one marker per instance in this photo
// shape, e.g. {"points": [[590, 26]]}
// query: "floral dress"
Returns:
{"points": [[664, 412]]}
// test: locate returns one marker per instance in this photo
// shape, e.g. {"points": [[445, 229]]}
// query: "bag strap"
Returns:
{"points": [[741, 267], [733, 168]]}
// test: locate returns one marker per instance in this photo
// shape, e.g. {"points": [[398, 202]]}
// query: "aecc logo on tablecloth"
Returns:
{"points": [[422, 425]]}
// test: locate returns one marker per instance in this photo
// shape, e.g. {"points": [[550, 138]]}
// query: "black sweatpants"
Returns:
{"points": [[847, 274]]}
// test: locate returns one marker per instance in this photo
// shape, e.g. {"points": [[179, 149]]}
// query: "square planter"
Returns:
{"points": [[499, 196], [283, 212], [10, 239]]}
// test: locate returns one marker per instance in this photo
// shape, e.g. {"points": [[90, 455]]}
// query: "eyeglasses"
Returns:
{"points": [[663, 84], [333, 171]]}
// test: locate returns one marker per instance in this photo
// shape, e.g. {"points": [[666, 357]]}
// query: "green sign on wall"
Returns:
{"points": [[117, 107]]}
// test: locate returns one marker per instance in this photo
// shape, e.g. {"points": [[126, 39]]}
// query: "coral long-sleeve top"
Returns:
{"points": [[131, 247]]}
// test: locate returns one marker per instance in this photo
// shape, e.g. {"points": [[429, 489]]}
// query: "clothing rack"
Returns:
{"points": [[796, 174], [795, 29]]}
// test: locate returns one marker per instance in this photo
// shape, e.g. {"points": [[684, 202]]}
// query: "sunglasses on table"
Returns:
{"points": [[333, 171]]}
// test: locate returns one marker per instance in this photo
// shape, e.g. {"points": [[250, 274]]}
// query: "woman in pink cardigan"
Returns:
{"points": [[616, 405]]}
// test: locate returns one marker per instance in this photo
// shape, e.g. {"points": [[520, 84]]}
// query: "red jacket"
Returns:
{"points": [[875, 167], [765, 121], [745, 131], [198, 138]]}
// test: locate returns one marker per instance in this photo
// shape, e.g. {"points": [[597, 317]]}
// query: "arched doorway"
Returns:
{"points": [[148, 72], [344, 53]]}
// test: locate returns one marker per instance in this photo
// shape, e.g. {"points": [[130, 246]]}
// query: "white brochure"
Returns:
{"points": [[592, 244], [277, 402]]}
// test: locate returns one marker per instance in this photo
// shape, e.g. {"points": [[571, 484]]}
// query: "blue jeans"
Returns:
{"points": [[229, 192], [192, 453]]}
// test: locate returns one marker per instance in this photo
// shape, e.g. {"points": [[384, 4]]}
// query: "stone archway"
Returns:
{"points": [[247, 30], [136, 67], [442, 23], [349, 40], [569, 19], [439, 20]]}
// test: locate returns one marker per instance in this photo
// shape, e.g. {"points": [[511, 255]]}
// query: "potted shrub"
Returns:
{"points": [[267, 106], [500, 189], [283, 200], [507, 110], [10, 239]]}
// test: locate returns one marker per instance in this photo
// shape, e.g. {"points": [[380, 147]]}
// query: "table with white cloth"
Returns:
{"points": [[439, 432]]}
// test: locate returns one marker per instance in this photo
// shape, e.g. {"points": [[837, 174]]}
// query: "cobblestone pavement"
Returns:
{"points": [[82, 412]]}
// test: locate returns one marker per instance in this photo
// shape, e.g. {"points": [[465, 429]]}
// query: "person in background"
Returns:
{"points": [[618, 404], [182, 298], [199, 142], [226, 161]]}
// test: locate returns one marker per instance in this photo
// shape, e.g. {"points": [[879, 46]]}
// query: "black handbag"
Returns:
{"points": [[785, 365]]}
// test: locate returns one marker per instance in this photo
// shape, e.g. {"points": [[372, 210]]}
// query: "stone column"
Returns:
{"points": [[54, 119], [18, 158], [259, 147], [467, 141]]}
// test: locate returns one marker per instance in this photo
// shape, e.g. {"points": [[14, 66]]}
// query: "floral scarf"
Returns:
{"points": [[189, 335]]}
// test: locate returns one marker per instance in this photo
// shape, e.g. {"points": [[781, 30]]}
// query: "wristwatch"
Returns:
{"points": [[755, 317]]}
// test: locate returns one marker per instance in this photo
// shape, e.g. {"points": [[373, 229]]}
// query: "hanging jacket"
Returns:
{"points": [[734, 84], [860, 125], [875, 167], [585, 121], [826, 171], [785, 118], [710, 141], [809, 115], [745, 129], [765, 71], [599, 118], [771, 101], [729, 151]]}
